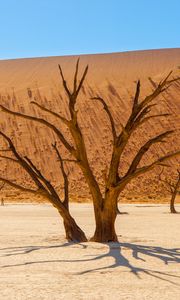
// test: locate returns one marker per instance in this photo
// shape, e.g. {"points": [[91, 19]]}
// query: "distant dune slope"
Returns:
{"points": [[112, 76]]}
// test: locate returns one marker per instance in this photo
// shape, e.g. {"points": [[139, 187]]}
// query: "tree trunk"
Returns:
{"points": [[172, 208], [117, 210], [105, 224], [74, 232], [105, 230]]}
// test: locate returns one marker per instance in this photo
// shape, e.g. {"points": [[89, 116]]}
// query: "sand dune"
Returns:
{"points": [[111, 75]]}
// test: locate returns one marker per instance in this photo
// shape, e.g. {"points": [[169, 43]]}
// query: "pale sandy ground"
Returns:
{"points": [[37, 262]]}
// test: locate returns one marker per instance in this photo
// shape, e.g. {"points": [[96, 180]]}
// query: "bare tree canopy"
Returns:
{"points": [[172, 186], [45, 188], [105, 203]]}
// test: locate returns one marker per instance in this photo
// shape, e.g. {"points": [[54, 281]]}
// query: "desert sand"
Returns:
{"points": [[36, 262], [112, 76]]}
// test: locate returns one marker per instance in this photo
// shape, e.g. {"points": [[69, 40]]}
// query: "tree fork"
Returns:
{"points": [[45, 188], [105, 207]]}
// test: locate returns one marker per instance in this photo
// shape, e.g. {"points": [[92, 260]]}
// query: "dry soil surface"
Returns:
{"points": [[36, 262]]}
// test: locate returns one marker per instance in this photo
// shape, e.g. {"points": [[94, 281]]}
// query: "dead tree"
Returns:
{"points": [[45, 188], [2, 200], [105, 203], [173, 187]]}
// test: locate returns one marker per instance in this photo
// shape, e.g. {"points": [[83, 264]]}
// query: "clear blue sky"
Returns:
{"points": [[30, 28]]}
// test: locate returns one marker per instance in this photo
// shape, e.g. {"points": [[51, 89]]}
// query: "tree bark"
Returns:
{"points": [[105, 228], [172, 208], [105, 224], [73, 232], [117, 210]]}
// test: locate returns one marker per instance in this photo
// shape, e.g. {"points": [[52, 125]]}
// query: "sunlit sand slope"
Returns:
{"points": [[112, 76]]}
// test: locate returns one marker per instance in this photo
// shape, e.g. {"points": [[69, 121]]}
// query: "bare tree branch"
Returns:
{"points": [[145, 148], [75, 130], [19, 187], [144, 106], [81, 81], [172, 187], [44, 122], [5, 150], [142, 170], [109, 116], [64, 120], [157, 162], [79, 152], [138, 116], [136, 97], [72, 96], [46, 182], [153, 116], [47, 189], [9, 158], [64, 82], [66, 181], [75, 75], [22, 162], [169, 186]]}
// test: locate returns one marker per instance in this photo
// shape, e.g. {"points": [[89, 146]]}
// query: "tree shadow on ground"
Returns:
{"points": [[165, 255], [138, 252], [11, 251]]}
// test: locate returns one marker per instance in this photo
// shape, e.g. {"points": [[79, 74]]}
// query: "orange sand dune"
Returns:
{"points": [[112, 76]]}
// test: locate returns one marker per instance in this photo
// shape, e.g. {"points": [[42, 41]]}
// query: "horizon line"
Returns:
{"points": [[89, 54]]}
